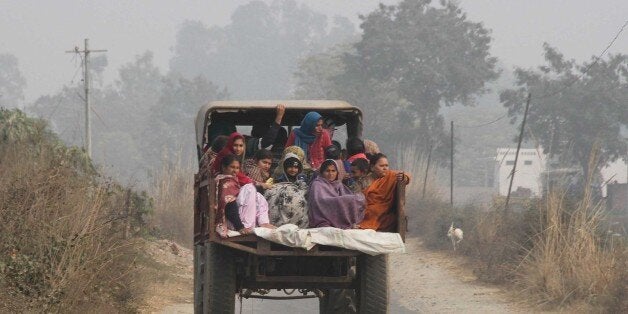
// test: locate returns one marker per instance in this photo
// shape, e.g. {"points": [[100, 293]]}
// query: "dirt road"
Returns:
{"points": [[438, 282], [421, 281]]}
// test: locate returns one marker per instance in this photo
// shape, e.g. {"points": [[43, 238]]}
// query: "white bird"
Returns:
{"points": [[455, 235]]}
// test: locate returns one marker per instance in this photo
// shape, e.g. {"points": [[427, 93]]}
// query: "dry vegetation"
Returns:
{"points": [[173, 195], [554, 251], [65, 233]]}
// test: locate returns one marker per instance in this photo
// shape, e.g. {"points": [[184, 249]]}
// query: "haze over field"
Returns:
{"points": [[557, 234], [38, 34], [165, 59]]}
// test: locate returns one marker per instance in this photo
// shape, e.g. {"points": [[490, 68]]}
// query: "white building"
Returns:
{"points": [[615, 172], [530, 165]]}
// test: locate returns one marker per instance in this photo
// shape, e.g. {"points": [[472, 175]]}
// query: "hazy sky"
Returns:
{"points": [[39, 34]]}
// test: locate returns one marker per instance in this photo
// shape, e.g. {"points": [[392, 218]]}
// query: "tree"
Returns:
{"points": [[65, 112], [575, 108], [170, 132], [412, 59], [139, 119], [138, 87], [256, 55], [12, 82], [315, 74]]}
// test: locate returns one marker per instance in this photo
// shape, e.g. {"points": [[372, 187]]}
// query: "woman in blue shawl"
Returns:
{"points": [[312, 138]]}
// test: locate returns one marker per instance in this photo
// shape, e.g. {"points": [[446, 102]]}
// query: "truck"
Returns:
{"points": [[249, 266]]}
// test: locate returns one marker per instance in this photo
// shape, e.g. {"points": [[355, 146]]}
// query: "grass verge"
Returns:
{"points": [[555, 251]]}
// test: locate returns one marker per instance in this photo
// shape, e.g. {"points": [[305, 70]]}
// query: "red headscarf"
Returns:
{"points": [[243, 179], [228, 149]]}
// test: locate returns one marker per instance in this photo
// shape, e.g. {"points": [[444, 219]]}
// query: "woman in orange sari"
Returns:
{"points": [[380, 195]]}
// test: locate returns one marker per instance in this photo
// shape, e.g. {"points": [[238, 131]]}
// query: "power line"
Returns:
{"points": [[80, 67], [484, 124], [86, 51], [99, 117], [514, 166], [56, 106], [586, 70]]}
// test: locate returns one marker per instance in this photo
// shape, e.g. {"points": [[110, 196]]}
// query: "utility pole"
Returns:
{"points": [[451, 168], [427, 169], [88, 130], [514, 167]]}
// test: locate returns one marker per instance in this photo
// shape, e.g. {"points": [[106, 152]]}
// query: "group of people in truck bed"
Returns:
{"points": [[315, 184]]}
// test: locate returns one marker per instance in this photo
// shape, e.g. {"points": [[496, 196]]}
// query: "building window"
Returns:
{"points": [[527, 162], [510, 162]]}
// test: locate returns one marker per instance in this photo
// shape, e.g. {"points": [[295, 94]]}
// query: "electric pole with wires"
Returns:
{"points": [[85, 56]]}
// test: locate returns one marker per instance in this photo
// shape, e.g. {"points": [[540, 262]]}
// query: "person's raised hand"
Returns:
{"points": [[281, 110]]}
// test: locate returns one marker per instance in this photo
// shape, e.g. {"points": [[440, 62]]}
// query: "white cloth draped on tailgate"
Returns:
{"points": [[367, 241]]}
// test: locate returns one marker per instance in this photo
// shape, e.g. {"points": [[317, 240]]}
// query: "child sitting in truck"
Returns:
{"points": [[360, 178], [258, 169], [240, 206], [355, 149], [291, 170], [306, 170], [286, 199]]}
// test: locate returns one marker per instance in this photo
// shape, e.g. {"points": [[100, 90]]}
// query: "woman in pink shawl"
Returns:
{"points": [[240, 206], [331, 204]]}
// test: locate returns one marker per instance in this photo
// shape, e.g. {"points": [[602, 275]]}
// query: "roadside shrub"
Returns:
{"points": [[62, 226], [173, 194], [572, 259], [493, 240], [496, 240], [556, 250]]}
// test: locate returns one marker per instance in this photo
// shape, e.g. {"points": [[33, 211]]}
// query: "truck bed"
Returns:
{"points": [[262, 247], [205, 195]]}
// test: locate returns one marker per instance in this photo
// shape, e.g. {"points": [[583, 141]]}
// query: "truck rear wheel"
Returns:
{"points": [[372, 291], [337, 301], [323, 302], [220, 280]]}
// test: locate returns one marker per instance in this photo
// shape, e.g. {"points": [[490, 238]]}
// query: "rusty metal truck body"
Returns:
{"points": [[250, 266]]}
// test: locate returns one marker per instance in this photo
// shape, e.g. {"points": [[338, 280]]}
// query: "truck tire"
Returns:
{"points": [[337, 301], [199, 276], [323, 302], [220, 280], [372, 291]]}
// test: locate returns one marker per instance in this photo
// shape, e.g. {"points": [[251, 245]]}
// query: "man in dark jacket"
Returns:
{"points": [[265, 136]]}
